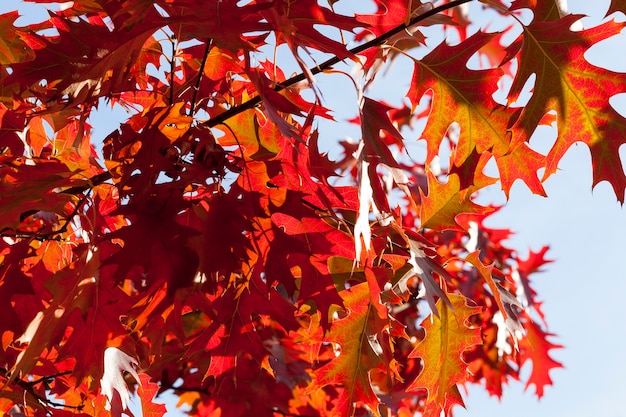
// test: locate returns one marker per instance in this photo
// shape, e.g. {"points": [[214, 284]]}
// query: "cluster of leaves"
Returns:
{"points": [[213, 249]]}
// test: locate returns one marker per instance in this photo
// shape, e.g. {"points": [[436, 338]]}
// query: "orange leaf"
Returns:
{"points": [[220, 64], [172, 122], [252, 139], [447, 337], [147, 391], [445, 203], [521, 163], [12, 48]]}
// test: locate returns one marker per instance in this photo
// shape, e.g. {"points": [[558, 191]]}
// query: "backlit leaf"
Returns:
{"points": [[447, 337], [358, 351], [446, 204], [578, 91], [536, 347]]}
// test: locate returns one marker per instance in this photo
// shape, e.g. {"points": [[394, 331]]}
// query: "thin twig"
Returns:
{"points": [[172, 68], [55, 234], [209, 44], [48, 378]]}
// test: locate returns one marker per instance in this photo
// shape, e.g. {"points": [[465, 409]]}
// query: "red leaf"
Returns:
{"points": [[504, 299], [578, 91], [28, 188], [536, 348], [374, 122], [85, 61], [295, 23], [147, 391], [155, 244]]}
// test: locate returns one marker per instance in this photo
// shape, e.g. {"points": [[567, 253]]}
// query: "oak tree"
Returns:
{"points": [[224, 242]]}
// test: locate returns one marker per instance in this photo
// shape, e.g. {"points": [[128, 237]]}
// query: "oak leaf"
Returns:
{"points": [[26, 188], [12, 124], [447, 337], [578, 91], [509, 306], [356, 335], [13, 49], [147, 391], [87, 70], [296, 24], [112, 383], [155, 244], [426, 268], [536, 347], [172, 122], [446, 204], [253, 139], [461, 95]]}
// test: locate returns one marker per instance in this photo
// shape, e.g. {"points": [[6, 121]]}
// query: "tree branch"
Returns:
{"points": [[28, 386], [253, 102], [48, 378]]}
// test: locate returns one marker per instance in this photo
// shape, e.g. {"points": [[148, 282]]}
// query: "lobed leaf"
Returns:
{"points": [[447, 337]]}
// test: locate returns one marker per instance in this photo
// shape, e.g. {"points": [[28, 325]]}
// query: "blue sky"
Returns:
{"points": [[584, 289]]}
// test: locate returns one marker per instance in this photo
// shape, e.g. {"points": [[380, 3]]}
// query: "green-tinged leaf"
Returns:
{"points": [[446, 204], [447, 337], [359, 349], [464, 96], [578, 91], [252, 139], [13, 49]]}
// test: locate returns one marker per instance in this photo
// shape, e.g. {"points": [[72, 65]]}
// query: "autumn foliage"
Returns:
{"points": [[212, 247]]}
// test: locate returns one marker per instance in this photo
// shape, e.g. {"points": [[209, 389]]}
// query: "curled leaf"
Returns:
{"points": [[112, 383]]}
